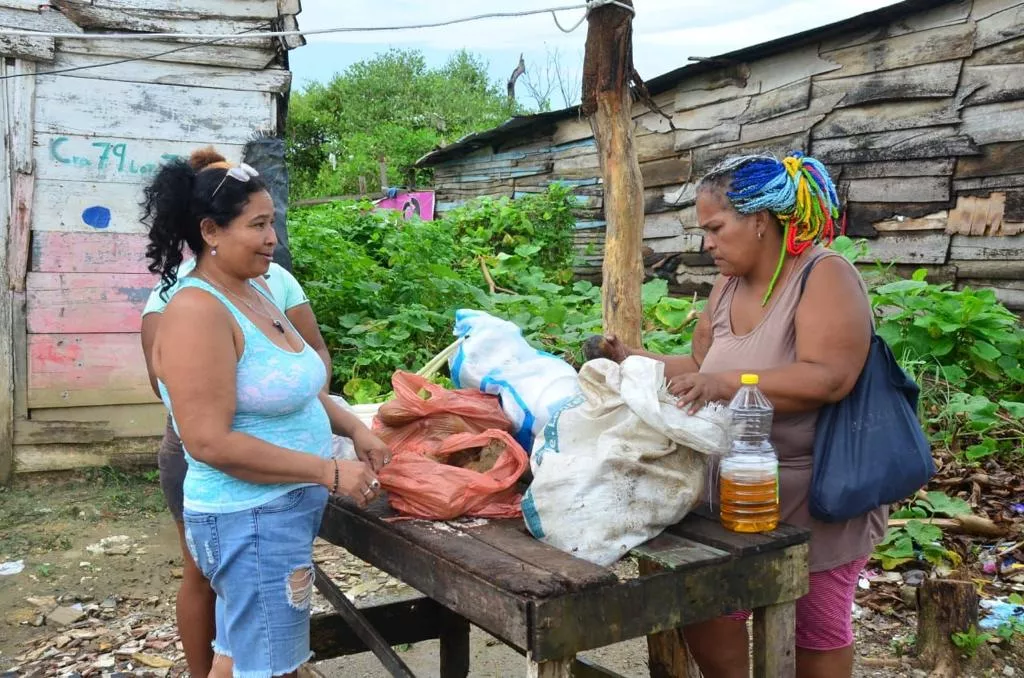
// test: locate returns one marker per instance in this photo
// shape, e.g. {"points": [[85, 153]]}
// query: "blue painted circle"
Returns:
{"points": [[96, 216]]}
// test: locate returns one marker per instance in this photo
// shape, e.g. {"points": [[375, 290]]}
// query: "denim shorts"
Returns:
{"points": [[260, 564]]}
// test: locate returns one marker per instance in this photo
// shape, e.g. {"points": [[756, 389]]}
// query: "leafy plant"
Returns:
{"points": [[903, 645], [970, 640], [385, 290], [919, 538], [935, 503]]}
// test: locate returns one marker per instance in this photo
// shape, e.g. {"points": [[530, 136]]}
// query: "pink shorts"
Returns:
{"points": [[824, 617]]}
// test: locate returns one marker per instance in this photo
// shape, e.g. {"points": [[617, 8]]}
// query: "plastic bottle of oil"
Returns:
{"points": [[749, 474]]}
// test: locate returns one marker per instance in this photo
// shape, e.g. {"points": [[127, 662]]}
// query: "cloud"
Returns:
{"points": [[665, 32]]}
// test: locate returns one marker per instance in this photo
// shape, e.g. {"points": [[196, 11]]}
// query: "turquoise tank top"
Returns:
{"points": [[277, 401]]}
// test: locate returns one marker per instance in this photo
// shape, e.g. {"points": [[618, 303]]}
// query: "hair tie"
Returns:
{"points": [[220, 164]]}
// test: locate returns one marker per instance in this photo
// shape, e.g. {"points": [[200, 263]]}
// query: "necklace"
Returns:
{"points": [[274, 321]]}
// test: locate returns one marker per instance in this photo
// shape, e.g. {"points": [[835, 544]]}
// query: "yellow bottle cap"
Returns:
{"points": [[749, 379]]}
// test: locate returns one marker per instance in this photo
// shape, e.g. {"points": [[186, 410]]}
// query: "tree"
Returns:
{"points": [[392, 106], [553, 81]]}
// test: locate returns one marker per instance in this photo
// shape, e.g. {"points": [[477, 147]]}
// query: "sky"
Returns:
{"points": [[665, 32]]}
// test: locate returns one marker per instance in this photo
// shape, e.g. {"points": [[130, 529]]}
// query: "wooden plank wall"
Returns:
{"points": [[83, 144], [921, 122]]}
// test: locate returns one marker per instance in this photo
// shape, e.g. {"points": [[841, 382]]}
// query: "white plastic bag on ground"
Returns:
{"points": [[620, 462], [496, 359]]}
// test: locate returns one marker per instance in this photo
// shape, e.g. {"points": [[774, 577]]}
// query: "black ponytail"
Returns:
{"points": [[180, 196]]}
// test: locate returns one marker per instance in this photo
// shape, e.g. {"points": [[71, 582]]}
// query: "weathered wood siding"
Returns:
{"points": [[921, 122], [80, 147]]}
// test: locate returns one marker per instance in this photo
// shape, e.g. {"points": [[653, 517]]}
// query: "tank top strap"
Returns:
{"points": [[243, 321]]}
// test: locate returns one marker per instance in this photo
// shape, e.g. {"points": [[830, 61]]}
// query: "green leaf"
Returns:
{"points": [[985, 448], [954, 374], [944, 505], [1015, 409], [985, 351], [556, 315], [923, 533], [910, 512], [653, 291], [902, 287]]}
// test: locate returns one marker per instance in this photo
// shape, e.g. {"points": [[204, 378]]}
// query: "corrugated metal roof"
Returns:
{"points": [[666, 81]]}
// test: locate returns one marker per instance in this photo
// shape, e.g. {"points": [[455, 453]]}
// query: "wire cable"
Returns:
{"points": [[589, 6]]}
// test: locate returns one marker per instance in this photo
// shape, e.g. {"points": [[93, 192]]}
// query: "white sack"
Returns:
{"points": [[620, 462]]}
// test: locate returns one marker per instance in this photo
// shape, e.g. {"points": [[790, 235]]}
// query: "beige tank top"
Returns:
{"points": [[772, 343]]}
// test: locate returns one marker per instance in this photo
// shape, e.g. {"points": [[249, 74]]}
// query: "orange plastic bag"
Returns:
{"points": [[412, 423], [481, 483]]}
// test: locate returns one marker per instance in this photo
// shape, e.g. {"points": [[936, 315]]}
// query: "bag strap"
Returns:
{"points": [[807, 271], [807, 274]]}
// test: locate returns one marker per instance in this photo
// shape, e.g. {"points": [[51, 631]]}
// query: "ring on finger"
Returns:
{"points": [[367, 492], [374, 485]]}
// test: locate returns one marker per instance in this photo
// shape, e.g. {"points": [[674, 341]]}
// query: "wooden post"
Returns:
{"points": [[775, 641], [551, 669], [382, 165], [17, 181], [607, 101], [944, 607]]}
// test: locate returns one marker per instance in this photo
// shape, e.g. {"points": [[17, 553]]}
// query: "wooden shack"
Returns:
{"points": [[917, 108], [87, 121]]}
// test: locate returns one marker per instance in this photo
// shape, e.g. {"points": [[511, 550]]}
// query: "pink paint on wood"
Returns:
{"points": [[57, 252], [68, 370], [86, 303], [21, 223]]}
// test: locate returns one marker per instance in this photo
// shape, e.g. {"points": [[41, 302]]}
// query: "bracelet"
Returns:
{"points": [[337, 478]]}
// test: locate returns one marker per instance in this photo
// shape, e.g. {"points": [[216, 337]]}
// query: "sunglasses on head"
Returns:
{"points": [[242, 173]]}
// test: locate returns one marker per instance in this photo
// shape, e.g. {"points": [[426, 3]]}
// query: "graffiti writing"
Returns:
{"points": [[105, 156]]}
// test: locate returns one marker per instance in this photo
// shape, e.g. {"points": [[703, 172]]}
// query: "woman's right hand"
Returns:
{"points": [[356, 480], [614, 349]]}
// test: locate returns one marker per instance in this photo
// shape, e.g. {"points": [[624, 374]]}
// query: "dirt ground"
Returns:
{"points": [[101, 568]]}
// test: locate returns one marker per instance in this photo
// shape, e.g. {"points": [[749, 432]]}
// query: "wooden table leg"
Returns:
{"points": [[561, 668], [454, 645], [667, 652], [775, 641], [360, 626]]}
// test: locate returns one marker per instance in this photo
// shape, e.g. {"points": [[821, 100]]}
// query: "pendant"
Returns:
{"points": [[279, 326]]}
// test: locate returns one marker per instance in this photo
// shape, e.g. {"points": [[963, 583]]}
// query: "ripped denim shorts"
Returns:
{"points": [[259, 562]]}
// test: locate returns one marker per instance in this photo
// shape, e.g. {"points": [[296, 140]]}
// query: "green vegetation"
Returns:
{"points": [[392, 107], [385, 291]]}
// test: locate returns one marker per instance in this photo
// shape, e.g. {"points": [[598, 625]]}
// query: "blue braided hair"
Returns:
{"points": [[797, 190]]}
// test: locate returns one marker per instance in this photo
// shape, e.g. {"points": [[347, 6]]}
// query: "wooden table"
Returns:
{"points": [[550, 605]]}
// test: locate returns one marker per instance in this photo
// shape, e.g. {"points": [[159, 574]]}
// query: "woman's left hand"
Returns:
{"points": [[696, 389], [372, 450]]}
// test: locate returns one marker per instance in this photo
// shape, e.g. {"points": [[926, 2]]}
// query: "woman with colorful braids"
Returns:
{"points": [[762, 220]]}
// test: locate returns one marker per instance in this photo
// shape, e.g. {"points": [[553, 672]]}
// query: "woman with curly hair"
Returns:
{"points": [[797, 315], [246, 394]]}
